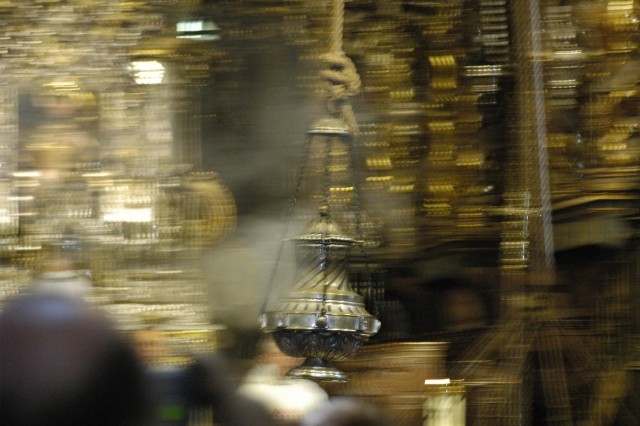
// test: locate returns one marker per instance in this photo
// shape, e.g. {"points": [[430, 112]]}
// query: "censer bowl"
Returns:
{"points": [[319, 348]]}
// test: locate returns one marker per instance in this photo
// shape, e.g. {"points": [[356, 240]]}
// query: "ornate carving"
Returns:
{"points": [[328, 345]]}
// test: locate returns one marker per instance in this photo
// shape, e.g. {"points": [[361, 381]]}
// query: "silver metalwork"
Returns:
{"points": [[330, 126], [321, 318]]}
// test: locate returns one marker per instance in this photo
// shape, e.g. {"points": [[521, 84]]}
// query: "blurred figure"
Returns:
{"points": [[287, 399], [345, 411], [60, 276], [170, 397], [209, 384], [62, 363], [201, 392], [151, 345]]}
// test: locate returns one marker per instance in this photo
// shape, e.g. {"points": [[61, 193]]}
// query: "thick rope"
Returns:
{"points": [[337, 26], [341, 78]]}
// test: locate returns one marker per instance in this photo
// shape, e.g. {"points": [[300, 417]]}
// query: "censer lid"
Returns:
{"points": [[324, 229]]}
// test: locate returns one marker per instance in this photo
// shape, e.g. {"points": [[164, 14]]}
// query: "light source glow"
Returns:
{"points": [[198, 29], [147, 72], [124, 214]]}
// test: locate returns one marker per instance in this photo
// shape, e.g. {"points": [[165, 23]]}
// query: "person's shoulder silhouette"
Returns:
{"points": [[63, 363]]}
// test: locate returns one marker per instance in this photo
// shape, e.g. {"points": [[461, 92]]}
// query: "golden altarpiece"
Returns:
{"points": [[498, 160], [498, 167], [101, 164]]}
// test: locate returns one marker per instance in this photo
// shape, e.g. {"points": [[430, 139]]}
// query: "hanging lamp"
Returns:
{"points": [[321, 318]]}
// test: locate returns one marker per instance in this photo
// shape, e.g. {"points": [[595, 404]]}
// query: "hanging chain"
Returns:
{"points": [[293, 200], [343, 82], [326, 180], [371, 292], [326, 211], [325, 277]]}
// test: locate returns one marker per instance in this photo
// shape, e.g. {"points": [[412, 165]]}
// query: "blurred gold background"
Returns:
{"points": [[151, 149]]}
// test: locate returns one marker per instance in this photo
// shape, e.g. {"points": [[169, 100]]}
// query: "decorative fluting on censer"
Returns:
{"points": [[321, 318]]}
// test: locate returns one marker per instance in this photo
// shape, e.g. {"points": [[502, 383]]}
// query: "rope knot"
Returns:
{"points": [[340, 77], [341, 82]]}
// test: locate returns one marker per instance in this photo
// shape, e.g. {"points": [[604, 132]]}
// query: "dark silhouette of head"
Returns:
{"points": [[63, 363]]}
